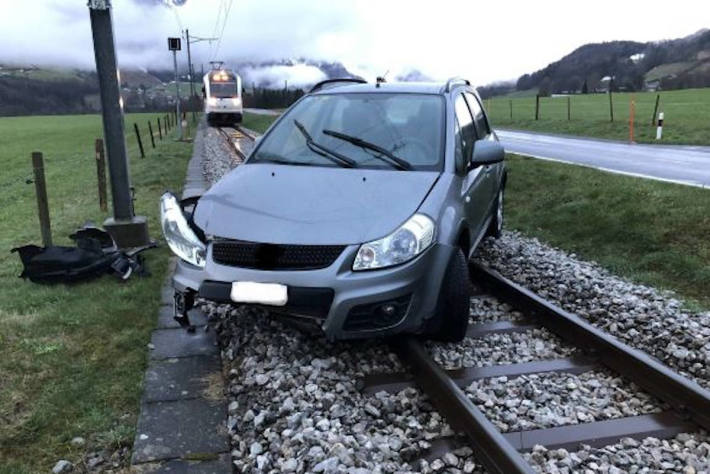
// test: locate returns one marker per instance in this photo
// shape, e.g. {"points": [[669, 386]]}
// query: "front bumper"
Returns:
{"points": [[334, 297]]}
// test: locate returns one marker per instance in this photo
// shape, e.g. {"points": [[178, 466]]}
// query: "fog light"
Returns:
{"points": [[388, 309]]}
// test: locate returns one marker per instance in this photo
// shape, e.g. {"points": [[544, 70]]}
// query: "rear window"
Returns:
{"points": [[409, 126]]}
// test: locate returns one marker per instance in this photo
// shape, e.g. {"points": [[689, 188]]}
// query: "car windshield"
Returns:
{"points": [[406, 126], [223, 89]]}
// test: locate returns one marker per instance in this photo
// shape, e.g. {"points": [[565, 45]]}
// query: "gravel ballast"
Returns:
{"points": [[642, 317]]}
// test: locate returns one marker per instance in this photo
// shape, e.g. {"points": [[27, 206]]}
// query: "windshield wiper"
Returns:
{"points": [[395, 161], [333, 156]]}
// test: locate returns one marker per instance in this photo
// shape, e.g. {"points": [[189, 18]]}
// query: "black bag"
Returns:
{"points": [[95, 254]]}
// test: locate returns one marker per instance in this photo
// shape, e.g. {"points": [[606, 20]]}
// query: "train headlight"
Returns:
{"points": [[237, 101], [212, 101]]}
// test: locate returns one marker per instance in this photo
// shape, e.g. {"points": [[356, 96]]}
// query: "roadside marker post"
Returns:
{"points": [[659, 129], [42, 202], [655, 110]]}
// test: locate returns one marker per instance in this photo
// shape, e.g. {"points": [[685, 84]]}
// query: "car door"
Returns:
{"points": [[473, 190], [492, 173]]}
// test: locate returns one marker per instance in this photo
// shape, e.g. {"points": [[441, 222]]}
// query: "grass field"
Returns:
{"points": [[687, 115], [73, 356], [257, 122], [652, 232]]}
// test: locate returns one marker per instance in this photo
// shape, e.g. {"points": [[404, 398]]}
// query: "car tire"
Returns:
{"points": [[450, 322], [495, 228]]}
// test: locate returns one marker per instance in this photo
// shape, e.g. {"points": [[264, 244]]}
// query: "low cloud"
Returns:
{"points": [[298, 75]]}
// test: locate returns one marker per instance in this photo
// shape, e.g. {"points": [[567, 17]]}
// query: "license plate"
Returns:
{"points": [[273, 294]]}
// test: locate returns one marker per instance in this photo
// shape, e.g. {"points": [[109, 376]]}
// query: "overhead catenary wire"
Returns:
{"points": [[224, 25]]}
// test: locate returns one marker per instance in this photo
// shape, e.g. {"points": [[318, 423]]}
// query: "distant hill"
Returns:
{"points": [[621, 65]]}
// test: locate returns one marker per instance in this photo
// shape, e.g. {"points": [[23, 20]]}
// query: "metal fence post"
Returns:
{"points": [[150, 130], [101, 174], [537, 106], [569, 108], [160, 130], [42, 202], [140, 142], [511, 109]]}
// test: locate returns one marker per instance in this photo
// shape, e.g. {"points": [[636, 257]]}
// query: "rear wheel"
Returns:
{"points": [[450, 322]]}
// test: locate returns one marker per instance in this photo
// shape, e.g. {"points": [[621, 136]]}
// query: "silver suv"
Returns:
{"points": [[356, 212]]}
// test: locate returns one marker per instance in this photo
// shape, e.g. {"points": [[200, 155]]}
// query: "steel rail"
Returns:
{"points": [[491, 447], [645, 371], [230, 140]]}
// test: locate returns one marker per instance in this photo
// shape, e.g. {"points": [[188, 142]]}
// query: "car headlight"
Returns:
{"points": [[212, 101], [402, 245], [180, 237]]}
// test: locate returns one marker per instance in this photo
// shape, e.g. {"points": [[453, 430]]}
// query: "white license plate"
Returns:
{"points": [[273, 294]]}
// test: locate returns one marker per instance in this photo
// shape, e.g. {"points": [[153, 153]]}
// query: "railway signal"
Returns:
{"points": [[127, 229], [174, 46]]}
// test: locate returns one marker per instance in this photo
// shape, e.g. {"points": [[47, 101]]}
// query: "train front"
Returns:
{"points": [[223, 97]]}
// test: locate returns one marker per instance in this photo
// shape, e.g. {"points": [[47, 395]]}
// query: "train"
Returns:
{"points": [[222, 94]]}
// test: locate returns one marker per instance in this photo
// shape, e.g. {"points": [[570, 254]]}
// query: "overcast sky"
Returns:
{"points": [[484, 41]]}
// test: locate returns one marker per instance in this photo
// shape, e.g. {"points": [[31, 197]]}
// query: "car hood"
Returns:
{"points": [[310, 205]]}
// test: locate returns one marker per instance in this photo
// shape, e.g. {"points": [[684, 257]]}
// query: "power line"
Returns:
{"points": [[221, 34], [216, 24]]}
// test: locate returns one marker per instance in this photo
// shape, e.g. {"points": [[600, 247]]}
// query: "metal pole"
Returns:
{"points": [[140, 142], [189, 64], [111, 110], [177, 96], [101, 174], [42, 202], [160, 130], [127, 229], [152, 138]]}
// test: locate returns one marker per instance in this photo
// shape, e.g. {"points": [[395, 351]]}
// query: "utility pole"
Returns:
{"points": [[189, 64], [174, 46], [127, 229]]}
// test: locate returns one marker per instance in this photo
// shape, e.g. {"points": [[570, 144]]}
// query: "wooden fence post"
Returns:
{"points": [[655, 110], [42, 202], [140, 142], [150, 130], [160, 130], [569, 108], [511, 109], [611, 105], [537, 107], [101, 174]]}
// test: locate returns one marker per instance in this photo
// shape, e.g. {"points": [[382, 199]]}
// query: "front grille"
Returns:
{"points": [[262, 256]]}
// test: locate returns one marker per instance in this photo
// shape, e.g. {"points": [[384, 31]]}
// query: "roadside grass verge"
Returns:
{"points": [[648, 231], [257, 122], [686, 112], [73, 356]]}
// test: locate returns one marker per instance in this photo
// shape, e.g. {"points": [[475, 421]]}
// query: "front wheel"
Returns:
{"points": [[450, 321], [496, 226]]}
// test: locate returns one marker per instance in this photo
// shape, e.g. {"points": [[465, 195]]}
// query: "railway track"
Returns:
{"points": [[233, 136], [686, 405]]}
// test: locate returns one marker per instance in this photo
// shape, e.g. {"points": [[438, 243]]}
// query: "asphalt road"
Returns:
{"points": [[688, 165]]}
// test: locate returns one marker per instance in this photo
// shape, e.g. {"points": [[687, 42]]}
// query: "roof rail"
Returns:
{"points": [[327, 83], [455, 80]]}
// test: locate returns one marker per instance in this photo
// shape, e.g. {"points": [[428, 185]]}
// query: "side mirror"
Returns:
{"points": [[486, 152]]}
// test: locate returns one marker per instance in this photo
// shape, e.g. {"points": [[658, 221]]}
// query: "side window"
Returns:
{"points": [[465, 122], [479, 117]]}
